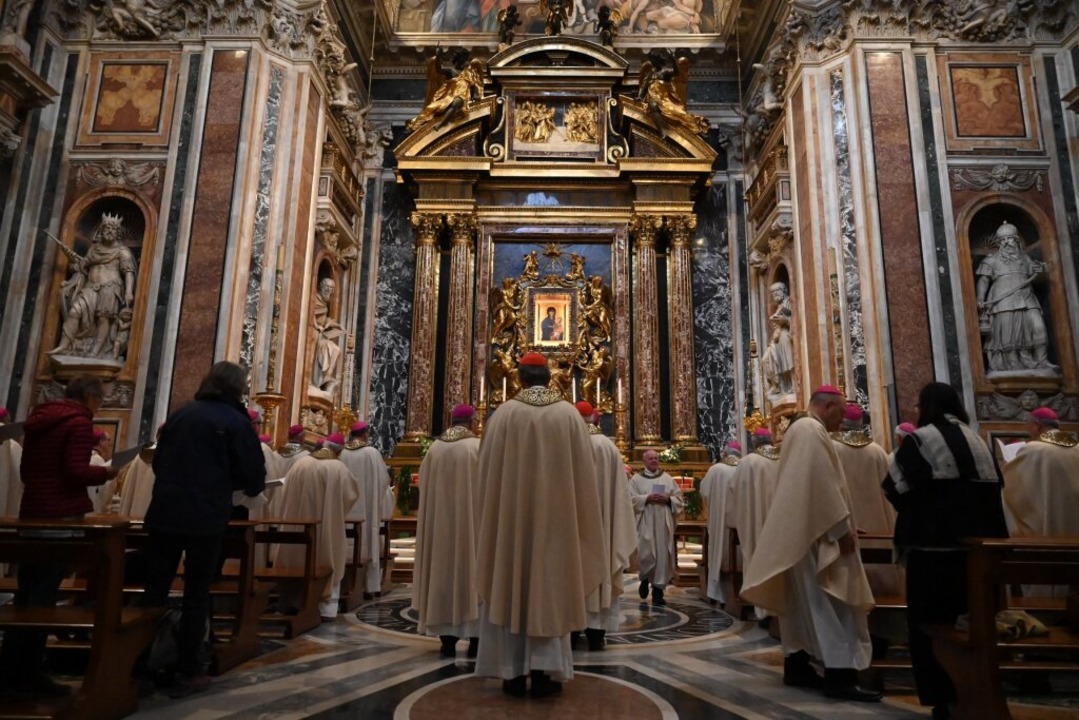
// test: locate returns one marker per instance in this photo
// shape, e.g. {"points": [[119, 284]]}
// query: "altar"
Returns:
{"points": [[555, 211]]}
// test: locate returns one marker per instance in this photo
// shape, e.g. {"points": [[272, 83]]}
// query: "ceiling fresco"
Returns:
{"points": [[639, 17]]}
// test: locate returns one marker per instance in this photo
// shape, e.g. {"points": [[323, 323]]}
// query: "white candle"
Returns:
{"points": [[504, 390], [482, 378], [598, 401], [575, 391], [619, 391]]}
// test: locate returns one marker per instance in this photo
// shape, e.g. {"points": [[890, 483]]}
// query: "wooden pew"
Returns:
{"points": [[118, 634], [352, 583], [975, 659], [308, 581]]}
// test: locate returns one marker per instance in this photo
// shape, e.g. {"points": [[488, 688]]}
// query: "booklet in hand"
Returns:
{"points": [[119, 459], [659, 489]]}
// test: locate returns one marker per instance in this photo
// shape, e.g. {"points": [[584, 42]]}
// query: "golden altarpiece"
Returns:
{"points": [[555, 176]]}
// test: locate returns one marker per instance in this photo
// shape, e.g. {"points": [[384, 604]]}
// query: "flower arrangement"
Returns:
{"points": [[426, 441], [673, 454], [405, 490]]}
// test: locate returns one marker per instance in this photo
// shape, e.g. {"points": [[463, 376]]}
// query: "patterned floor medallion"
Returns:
{"points": [[641, 622]]}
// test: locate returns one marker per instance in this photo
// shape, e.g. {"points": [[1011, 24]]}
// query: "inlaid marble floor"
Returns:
{"points": [[687, 661]]}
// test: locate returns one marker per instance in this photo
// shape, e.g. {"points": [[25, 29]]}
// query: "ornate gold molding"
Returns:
{"points": [[424, 322], [644, 227]]}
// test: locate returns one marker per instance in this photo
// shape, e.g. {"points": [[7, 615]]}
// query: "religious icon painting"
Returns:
{"points": [[553, 317]]}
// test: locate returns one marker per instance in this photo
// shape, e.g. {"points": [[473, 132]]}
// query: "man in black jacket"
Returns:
{"points": [[207, 451]]}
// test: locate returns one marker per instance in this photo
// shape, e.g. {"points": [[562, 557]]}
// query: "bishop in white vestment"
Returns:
{"points": [[657, 500], [716, 489], [367, 466], [752, 490]]}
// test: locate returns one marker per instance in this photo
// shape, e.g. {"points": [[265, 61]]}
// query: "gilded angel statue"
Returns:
{"points": [[454, 96], [663, 84], [558, 15], [506, 307]]}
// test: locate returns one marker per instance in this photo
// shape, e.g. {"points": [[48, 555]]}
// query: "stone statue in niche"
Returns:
{"points": [[328, 334], [1009, 312], [17, 17], [777, 363], [98, 298]]}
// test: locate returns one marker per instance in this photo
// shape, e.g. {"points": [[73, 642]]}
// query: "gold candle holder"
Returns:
{"points": [[270, 401], [481, 416], [620, 427], [344, 417]]}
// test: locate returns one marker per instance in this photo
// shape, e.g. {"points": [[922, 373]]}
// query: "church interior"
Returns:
{"points": [[697, 210]]}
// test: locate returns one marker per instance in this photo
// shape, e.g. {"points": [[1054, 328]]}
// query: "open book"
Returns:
{"points": [[253, 503], [1008, 452]]}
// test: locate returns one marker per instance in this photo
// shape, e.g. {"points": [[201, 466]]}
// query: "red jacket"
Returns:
{"points": [[57, 440]]}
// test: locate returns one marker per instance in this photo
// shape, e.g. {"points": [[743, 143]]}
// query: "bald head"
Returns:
{"points": [[651, 460], [829, 408]]}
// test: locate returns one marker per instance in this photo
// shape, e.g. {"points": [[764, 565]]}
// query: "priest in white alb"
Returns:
{"points": [[806, 568], [618, 530], [752, 489], [365, 462], [865, 465], [320, 486], [447, 532], [1041, 487], [541, 547], [657, 501], [286, 456], [716, 489]]}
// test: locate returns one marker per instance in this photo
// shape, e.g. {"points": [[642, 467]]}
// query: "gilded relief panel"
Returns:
{"points": [[988, 102]]}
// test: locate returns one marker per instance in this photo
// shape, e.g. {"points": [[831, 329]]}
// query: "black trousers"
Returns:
{"points": [[936, 595], [200, 554], [22, 656]]}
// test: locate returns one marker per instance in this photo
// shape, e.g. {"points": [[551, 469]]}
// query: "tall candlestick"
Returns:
{"points": [[619, 391], [574, 391], [482, 378]]}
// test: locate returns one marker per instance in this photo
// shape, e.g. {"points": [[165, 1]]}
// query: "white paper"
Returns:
{"points": [[275, 483], [251, 503], [659, 489], [1008, 452]]}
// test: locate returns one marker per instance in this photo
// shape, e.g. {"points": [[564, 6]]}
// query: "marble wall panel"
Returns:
{"points": [[263, 198], [805, 131], [168, 253], [1060, 140], [942, 251], [197, 332], [713, 332], [362, 327], [292, 321], [739, 261], [912, 352], [393, 319], [20, 200], [857, 384]]}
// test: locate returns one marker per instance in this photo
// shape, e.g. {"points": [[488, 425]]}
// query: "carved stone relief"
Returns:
{"points": [[338, 243], [1003, 407], [1000, 178], [118, 173]]}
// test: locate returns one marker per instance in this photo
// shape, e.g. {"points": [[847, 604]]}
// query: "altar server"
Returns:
{"points": [[541, 547], [806, 568], [753, 487], [447, 532]]}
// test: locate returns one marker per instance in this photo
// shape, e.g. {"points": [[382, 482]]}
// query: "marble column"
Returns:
{"points": [[459, 313], [683, 375], [424, 322], [645, 328]]}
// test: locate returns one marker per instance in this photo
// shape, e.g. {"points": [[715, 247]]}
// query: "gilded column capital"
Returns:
{"points": [[644, 227], [462, 228], [426, 227], [681, 227]]}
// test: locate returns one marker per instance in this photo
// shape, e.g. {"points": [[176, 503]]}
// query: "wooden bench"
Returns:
{"points": [[352, 583], [308, 581], [117, 634], [975, 659]]}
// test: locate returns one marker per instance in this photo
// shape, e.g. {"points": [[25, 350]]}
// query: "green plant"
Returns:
{"points": [[693, 504], [404, 490]]}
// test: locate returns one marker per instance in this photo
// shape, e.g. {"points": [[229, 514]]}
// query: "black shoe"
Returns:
{"points": [[595, 639], [543, 686], [643, 589], [797, 672], [852, 692], [473, 647], [449, 646], [657, 596], [515, 687], [574, 638]]}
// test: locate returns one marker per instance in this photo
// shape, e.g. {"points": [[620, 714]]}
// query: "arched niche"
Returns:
{"points": [[325, 365], [83, 224], [977, 226], [778, 359]]}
